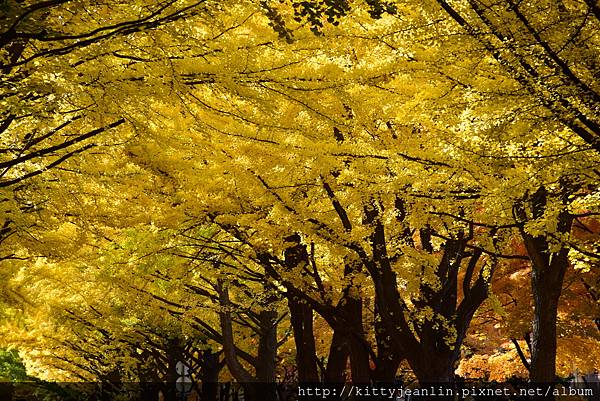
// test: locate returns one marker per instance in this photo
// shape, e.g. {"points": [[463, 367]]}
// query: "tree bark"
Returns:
{"points": [[359, 354], [236, 369], [337, 359], [209, 375], [426, 346], [548, 270], [387, 361], [267, 355], [301, 316], [174, 354]]}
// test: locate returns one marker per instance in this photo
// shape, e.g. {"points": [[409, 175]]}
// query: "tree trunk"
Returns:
{"points": [[236, 369], [359, 354], [174, 355], [149, 391], [426, 345], [546, 287], [388, 361], [209, 375], [267, 356], [112, 384], [548, 270], [434, 368], [337, 359], [301, 316], [149, 377]]}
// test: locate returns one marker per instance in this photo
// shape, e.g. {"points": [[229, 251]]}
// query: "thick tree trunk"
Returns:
{"points": [[386, 368], [548, 270], [348, 340], [359, 354], [543, 359], [149, 391], [7, 391], [267, 347], [149, 377], [388, 361], [301, 316], [267, 356], [209, 375], [260, 386], [434, 368], [546, 287], [337, 358], [174, 354], [426, 345], [112, 384]]}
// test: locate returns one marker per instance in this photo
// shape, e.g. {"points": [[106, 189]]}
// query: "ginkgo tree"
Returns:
{"points": [[546, 53], [53, 106], [377, 175], [251, 167]]}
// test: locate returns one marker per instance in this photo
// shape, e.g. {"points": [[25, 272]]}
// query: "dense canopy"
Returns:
{"points": [[298, 191]]}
